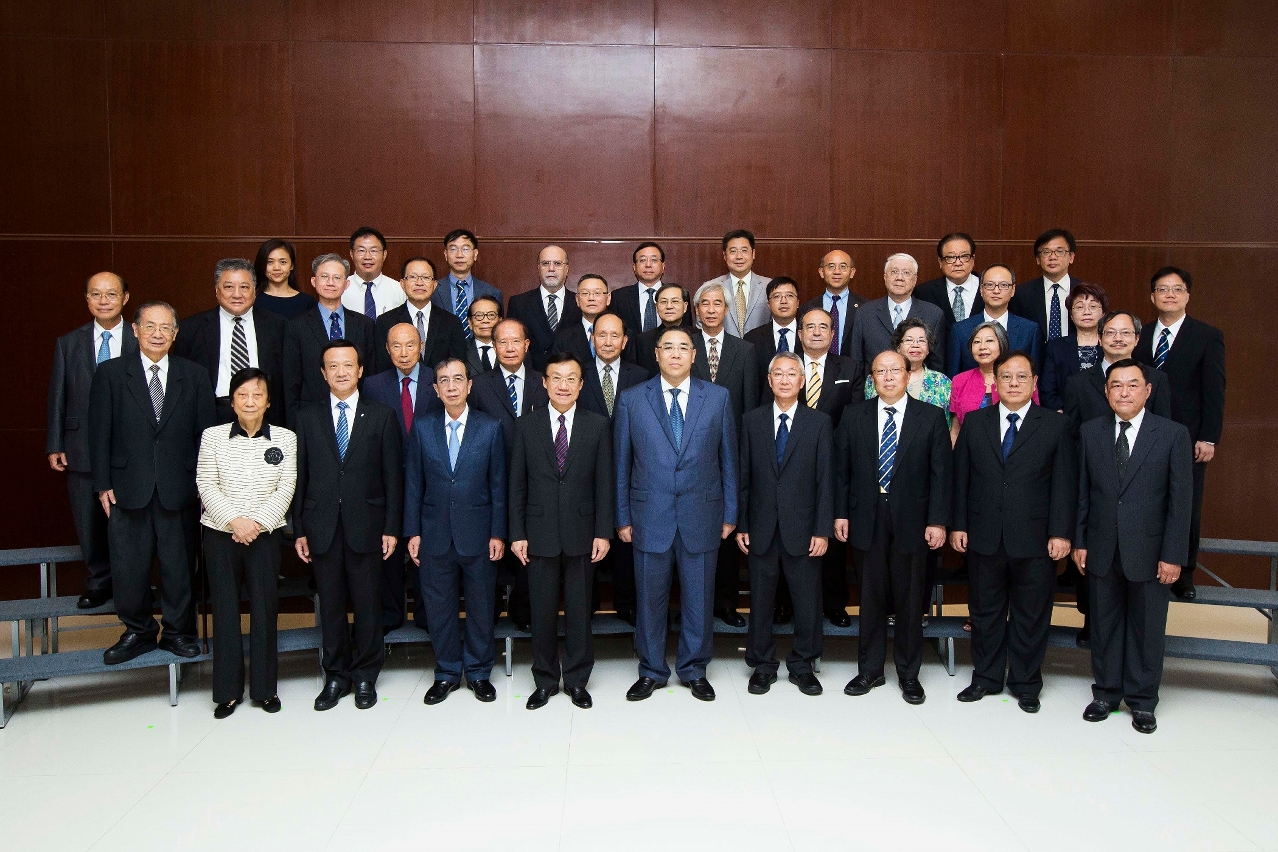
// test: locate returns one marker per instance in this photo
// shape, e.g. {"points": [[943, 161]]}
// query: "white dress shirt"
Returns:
{"points": [[683, 388], [461, 432], [718, 342], [1061, 294], [970, 288], [1001, 319], [733, 281], [519, 385], [559, 295], [163, 364], [227, 322], [114, 343], [791, 337], [1132, 430], [899, 405], [568, 418], [777, 411], [1158, 332], [351, 402], [414, 311], [807, 370], [387, 294], [1003, 411]]}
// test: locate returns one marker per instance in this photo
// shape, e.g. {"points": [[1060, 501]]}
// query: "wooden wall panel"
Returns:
{"points": [[566, 21], [222, 20], [740, 23], [383, 20], [975, 25], [1226, 27], [64, 19], [1131, 27]]}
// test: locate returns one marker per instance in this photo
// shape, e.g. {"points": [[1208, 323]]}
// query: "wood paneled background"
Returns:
{"points": [[153, 137]]}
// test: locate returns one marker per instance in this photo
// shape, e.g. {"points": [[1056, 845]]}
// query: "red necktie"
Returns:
{"points": [[406, 403]]}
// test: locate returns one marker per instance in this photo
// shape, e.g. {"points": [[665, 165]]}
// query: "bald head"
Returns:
{"points": [[106, 295], [552, 268], [837, 271], [404, 346]]}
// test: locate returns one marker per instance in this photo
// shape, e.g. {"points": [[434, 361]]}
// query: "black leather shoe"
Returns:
{"points": [[861, 684], [580, 697], [976, 692], [627, 614], [1028, 703], [782, 614], [130, 645], [1144, 721], [1083, 638], [730, 617], [439, 691], [226, 709], [93, 598], [807, 683], [365, 695], [761, 682], [1184, 590], [912, 692], [701, 689], [332, 693], [642, 688], [272, 704], [183, 646], [540, 698], [839, 618], [483, 689], [1098, 711]]}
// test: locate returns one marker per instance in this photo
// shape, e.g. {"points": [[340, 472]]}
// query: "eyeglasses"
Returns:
{"points": [[458, 250], [152, 328], [419, 279], [566, 381], [1170, 291], [1054, 252], [787, 374], [1118, 333], [887, 371], [675, 347], [995, 286], [838, 267], [1019, 378], [484, 315], [816, 326], [363, 251], [953, 259], [551, 264], [592, 294]]}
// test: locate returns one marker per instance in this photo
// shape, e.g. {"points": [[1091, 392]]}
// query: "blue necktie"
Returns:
{"points": [[454, 445], [590, 335], [1160, 353], [782, 344], [334, 326], [1054, 315], [783, 435], [1009, 437], [104, 351], [676, 417], [897, 316], [343, 431], [887, 450], [370, 306], [514, 398], [463, 309], [650, 311]]}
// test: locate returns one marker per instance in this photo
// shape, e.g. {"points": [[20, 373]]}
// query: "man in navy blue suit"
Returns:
{"points": [[998, 283], [458, 290], [455, 520], [676, 454]]}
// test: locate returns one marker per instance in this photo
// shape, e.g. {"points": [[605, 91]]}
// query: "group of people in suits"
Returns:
{"points": [[651, 432]]}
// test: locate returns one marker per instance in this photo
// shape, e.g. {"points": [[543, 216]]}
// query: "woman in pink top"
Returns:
{"points": [[973, 389]]}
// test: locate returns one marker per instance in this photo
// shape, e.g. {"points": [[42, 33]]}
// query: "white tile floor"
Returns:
{"points": [[104, 763]]}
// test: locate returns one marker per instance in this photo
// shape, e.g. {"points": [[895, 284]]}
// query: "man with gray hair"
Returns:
{"points": [[232, 336], [306, 334], [876, 320]]}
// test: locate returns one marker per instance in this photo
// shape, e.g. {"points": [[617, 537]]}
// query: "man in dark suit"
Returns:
{"points": [[1191, 354], [146, 415], [440, 332], [997, 283], [1042, 299], [346, 511], [676, 456], [561, 520], [460, 288], [1135, 487], [575, 337], [546, 309], [481, 353], [837, 271], [455, 520], [232, 336], [781, 334], [672, 310], [637, 303], [76, 356], [892, 490], [306, 335], [958, 291], [1015, 500], [877, 319], [787, 469]]}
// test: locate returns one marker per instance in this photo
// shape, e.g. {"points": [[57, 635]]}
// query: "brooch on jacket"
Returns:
{"points": [[274, 455]]}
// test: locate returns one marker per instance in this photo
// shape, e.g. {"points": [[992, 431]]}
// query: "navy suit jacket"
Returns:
{"points": [[384, 387], [444, 293], [1060, 361], [1022, 334], [463, 507], [663, 489]]}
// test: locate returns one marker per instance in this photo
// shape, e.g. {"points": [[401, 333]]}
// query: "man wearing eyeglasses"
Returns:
{"points": [[747, 304], [837, 270], [998, 282], [371, 292], [460, 289], [1042, 299], [440, 333], [546, 308], [876, 320], [672, 311], [958, 291], [482, 318]]}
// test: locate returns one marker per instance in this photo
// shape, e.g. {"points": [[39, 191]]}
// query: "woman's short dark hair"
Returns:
{"points": [[264, 252], [1087, 288], [898, 336], [248, 374]]}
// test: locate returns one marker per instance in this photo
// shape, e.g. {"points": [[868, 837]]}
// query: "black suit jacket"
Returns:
{"points": [[384, 388], [304, 338], [1144, 516], [1060, 361], [1023, 501], [365, 490], [922, 479], [474, 360], [841, 383], [765, 347], [738, 371], [444, 337], [625, 303], [562, 513], [626, 375], [1030, 302], [1195, 370], [794, 498], [527, 307], [74, 362], [130, 452], [200, 340], [939, 292], [490, 395], [1085, 400], [853, 302]]}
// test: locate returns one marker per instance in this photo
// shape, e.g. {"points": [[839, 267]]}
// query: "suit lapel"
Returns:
{"points": [[1033, 419], [798, 429], [696, 402], [503, 389], [656, 398], [546, 437], [884, 311], [84, 359], [1144, 438], [137, 383], [909, 425], [172, 390], [992, 431]]}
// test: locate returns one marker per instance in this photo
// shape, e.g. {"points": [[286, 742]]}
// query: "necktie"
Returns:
{"points": [[463, 309], [1009, 437], [783, 435], [104, 351], [334, 326], [609, 391], [454, 445], [484, 359], [239, 347], [561, 445], [1160, 352], [783, 345], [676, 417], [590, 336], [834, 325], [897, 316], [713, 359], [370, 306], [406, 403], [1122, 449], [887, 450], [814, 384], [1054, 314], [740, 300], [552, 313], [343, 431], [157, 392], [650, 310], [421, 331], [960, 308], [514, 397]]}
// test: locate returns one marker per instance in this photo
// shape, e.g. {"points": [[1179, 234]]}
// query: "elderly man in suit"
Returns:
{"points": [[1135, 485], [455, 521], [561, 520], [234, 335], [1042, 299], [837, 270], [958, 291], [346, 513], [147, 413], [76, 357], [460, 288], [742, 287], [546, 308], [1191, 354], [877, 319], [481, 352], [673, 312], [440, 332], [676, 456], [787, 469], [892, 490], [997, 284], [1015, 500]]}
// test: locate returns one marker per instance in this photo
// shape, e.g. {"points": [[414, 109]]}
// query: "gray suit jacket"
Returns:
{"points": [[757, 312], [872, 331], [74, 361]]}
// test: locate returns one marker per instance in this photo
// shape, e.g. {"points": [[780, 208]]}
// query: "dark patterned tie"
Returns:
{"points": [[514, 397], [104, 351], [157, 392], [783, 345], [714, 358], [960, 307], [650, 311], [552, 312], [239, 347], [561, 445], [783, 435], [1160, 353], [1009, 437], [370, 306], [676, 417], [1054, 317], [1122, 449], [609, 391], [834, 325], [887, 450], [334, 326]]}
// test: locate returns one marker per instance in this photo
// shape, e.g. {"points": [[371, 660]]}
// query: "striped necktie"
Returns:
{"points": [[463, 310], [561, 445], [157, 392], [552, 312], [887, 451], [343, 431], [1160, 353], [813, 395], [239, 347], [370, 305], [514, 397]]}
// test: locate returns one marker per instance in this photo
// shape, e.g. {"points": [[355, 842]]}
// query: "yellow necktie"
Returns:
{"points": [[814, 384], [741, 306]]}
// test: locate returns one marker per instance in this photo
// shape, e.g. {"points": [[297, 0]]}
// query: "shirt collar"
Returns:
{"points": [[264, 432], [1135, 421], [227, 316], [412, 374], [904, 306], [325, 313], [718, 338], [568, 415], [116, 333], [1175, 327], [147, 363], [821, 360], [789, 413], [453, 280], [461, 418], [682, 386], [793, 326], [351, 402], [1003, 410], [899, 405], [413, 311], [1064, 284], [506, 374]]}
